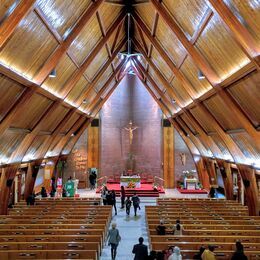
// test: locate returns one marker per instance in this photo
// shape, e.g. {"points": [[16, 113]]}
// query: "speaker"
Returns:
{"points": [[246, 183], [9, 183], [95, 122], [166, 123]]}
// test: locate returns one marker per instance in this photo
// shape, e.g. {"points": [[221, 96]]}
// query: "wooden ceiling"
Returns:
{"points": [[217, 116]]}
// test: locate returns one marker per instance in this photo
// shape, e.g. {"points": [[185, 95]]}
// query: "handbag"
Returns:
{"points": [[118, 237]]}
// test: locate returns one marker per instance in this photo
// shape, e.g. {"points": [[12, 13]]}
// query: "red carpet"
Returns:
{"points": [[184, 191], [146, 190]]}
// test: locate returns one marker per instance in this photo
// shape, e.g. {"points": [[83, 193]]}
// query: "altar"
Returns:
{"points": [[127, 181], [190, 183]]}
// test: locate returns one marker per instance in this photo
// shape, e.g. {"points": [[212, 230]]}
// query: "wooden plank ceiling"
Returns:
{"points": [[217, 114]]}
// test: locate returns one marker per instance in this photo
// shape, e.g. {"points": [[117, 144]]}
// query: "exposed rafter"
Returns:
{"points": [[196, 56], [8, 26], [64, 46]]}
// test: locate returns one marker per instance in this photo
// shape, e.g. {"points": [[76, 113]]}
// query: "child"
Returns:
{"points": [[128, 204]]}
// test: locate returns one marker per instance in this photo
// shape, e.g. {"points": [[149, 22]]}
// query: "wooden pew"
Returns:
{"points": [[48, 254]]}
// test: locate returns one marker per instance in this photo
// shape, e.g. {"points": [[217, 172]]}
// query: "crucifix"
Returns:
{"points": [[131, 129]]}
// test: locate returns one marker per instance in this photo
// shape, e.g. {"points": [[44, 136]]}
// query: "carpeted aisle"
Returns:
{"points": [[130, 228]]}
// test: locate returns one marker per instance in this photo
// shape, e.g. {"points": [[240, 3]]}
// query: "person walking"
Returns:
{"points": [[122, 197], [128, 204], [140, 250], [113, 200], [136, 202], [113, 240]]}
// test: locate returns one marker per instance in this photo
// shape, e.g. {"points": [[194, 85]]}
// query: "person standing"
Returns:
{"points": [[113, 240], [136, 202], [104, 195], [122, 197], [128, 204], [140, 250]]}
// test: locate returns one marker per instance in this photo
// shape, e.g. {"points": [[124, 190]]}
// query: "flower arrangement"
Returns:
{"points": [[189, 174], [131, 185]]}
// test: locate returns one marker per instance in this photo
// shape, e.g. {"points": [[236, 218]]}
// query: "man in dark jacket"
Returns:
{"points": [[140, 250]]}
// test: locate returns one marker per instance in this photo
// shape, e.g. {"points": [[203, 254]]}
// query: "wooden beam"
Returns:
{"points": [[251, 194], [34, 87], [78, 73], [103, 101], [101, 72], [19, 153], [191, 146], [64, 46], [240, 33], [240, 116], [159, 74], [76, 137], [226, 174], [159, 91], [6, 182], [197, 142], [119, 28], [49, 26], [57, 149], [143, 40], [31, 175], [90, 107], [11, 22], [20, 104], [185, 83], [46, 146], [207, 140], [197, 57], [234, 78], [229, 142], [202, 171]]}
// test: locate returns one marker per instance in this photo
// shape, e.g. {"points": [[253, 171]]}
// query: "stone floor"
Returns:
{"points": [[131, 228]]}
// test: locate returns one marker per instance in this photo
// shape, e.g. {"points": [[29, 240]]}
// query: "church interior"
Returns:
{"points": [[158, 99]]}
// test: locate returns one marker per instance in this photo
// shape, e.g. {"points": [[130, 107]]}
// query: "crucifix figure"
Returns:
{"points": [[131, 131]]}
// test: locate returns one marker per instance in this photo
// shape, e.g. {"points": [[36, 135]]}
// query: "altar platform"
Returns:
{"points": [[146, 190], [192, 191]]}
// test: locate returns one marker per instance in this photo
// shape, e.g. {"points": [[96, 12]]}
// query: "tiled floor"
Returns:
{"points": [[131, 228]]}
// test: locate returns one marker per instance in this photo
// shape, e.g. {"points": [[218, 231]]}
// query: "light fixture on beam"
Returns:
{"points": [[53, 74], [201, 75], [85, 101], [173, 101]]}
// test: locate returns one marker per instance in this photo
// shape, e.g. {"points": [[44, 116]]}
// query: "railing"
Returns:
{"points": [[158, 182], [101, 181]]}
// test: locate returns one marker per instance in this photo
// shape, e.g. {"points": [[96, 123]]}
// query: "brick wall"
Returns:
{"points": [[130, 101]]}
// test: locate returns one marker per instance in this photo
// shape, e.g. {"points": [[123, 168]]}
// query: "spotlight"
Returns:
{"points": [[53, 74], [201, 75], [85, 101]]}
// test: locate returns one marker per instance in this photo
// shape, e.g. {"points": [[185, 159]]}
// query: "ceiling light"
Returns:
{"points": [[139, 57], [173, 101], [201, 75], [85, 101], [53, 74]]}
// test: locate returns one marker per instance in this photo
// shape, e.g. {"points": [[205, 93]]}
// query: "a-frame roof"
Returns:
{"points": [[199, 59]]}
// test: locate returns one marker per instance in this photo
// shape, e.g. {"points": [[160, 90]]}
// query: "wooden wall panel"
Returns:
{"points": [[216, 37], [93, 147], [188, 18], [86, 40], [63, 14], [168, 157], [35, 108], [27, 45], [10, 91], [64, 70], [247, 94]]}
